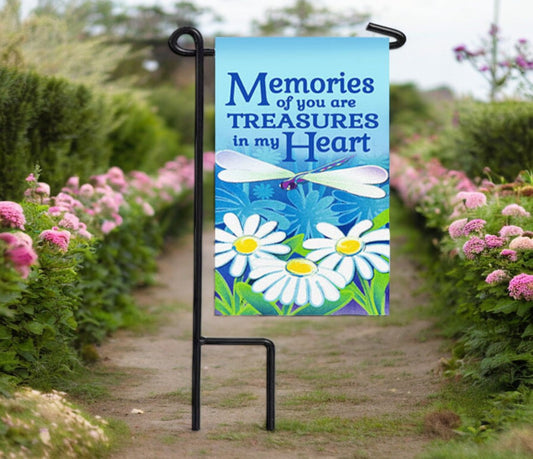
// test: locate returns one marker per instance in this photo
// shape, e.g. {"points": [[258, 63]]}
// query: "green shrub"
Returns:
{"points": [[39, 328], [50, 122], [498, 135], [139, 139], [410, 113]]}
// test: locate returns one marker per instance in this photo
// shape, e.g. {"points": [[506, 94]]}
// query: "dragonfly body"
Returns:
{"points": [[359, 180], [292, 183]]}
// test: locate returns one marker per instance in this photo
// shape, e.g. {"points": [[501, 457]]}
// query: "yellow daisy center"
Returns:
{"points": [[300, 267], [246, 244], [348, 246]]}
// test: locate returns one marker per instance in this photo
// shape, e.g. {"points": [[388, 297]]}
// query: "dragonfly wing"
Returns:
{"points": [[242, 168], [358, 180]]}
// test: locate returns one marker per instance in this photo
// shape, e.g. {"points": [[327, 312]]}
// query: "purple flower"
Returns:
{"points": [[521, 287], [456, 228], [511, 230], [515, 210], [496, 276], [57, 237], [493, 241], [19, 251], [472, 199], [11, 215], [511, 254], [472, 226], [474, 246]]}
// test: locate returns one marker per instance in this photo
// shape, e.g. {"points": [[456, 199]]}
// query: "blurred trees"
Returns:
{"points": [[304, 18]]}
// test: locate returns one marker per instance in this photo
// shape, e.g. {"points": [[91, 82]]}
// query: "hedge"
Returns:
{"points": [[68, 129]]}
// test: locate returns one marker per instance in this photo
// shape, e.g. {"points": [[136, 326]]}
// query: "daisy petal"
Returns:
{"points": [[320, 253], [315, 293], [273, 238], [251, 224], [222, 236], [274, 291], [276, 248], [223, 258], [319, 243], [364, 268], [266, 228], [378, 235], [266, 281], [223, 247], [232, 222], [329, 230], [289, 291], [330, 291], [381, 249], [346, 268], [360, 228], [379, 263], [331, 261], [238, 266], [302, 293]]}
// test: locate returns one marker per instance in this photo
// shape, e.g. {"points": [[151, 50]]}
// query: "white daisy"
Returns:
{"points": [[297, 280], [355, 250], [243, 245]]}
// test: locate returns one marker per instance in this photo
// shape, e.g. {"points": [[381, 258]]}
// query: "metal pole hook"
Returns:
{"points": [[389, 32]]}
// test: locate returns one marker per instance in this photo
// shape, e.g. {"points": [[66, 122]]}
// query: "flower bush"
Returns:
{"points": [[485, 271], [68, 262], [498, 67]]}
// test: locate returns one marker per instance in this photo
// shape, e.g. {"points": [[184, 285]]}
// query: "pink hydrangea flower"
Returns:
{"points": [[521, 243], [456, 228], [521, 287], [472, 199], [511, 230], [11, 215], [148, 209], [108, 226], [496, 276], [515, 210], [493, 241], [70, 221], [19, 251], [474, 226], [509, 253], [86, 190], [209, 160], [474, 246], [55, 236], [82, 231]]}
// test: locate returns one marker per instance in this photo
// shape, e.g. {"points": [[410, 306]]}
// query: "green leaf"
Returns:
{"points": [[35, 327], [296, 245], [528, 331], [381, 219], [256, 300], [328, 308], [222, 288]]}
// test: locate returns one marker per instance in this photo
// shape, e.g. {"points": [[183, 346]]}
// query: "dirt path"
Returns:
{"points": [[346, 386]]}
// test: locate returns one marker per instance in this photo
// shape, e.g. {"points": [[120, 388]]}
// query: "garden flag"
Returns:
{"points": [[302, 176]]}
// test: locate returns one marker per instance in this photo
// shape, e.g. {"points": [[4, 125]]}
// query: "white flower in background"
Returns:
{"points": [[242, 245], [354, 251], [297, 280]]}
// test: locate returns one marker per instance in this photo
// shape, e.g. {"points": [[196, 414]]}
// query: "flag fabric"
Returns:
{"points": [[302, 176]]}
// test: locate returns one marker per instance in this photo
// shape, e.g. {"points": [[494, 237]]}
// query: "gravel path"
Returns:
{"points": [[345, 387]]}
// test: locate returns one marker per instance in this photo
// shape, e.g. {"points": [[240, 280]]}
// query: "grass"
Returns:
{"points": [[320, 398]]}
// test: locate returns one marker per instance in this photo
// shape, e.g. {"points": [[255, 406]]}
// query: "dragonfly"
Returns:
{"points": [[358, 180]]}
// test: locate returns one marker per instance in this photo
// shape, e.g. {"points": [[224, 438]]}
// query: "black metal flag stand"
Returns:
{"points": [[199, 52]]}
